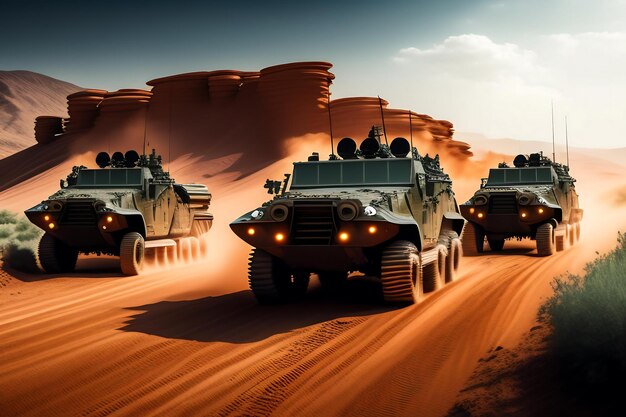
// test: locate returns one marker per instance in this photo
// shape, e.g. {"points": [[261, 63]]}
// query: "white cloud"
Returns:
{"points": [[475, 57], [504, 89]]}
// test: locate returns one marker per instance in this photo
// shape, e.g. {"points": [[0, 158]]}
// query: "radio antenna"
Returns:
{"points": [[382, 116], [566, 142], [411, 130], [145, 128], [553, 148], [169, 133], [330, 125]]}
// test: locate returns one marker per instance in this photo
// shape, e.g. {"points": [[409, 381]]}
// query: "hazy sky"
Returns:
{"points": [[490, 67]]}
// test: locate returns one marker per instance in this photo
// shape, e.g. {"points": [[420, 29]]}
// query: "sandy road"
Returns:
{"points": [[190, 340], [100, 344]]}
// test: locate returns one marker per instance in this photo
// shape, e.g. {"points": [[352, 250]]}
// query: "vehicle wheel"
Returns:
{"points": [[473, 239], [435, 271], [572, 234], [332, 281], [55, 256], [271, 281], [132, 252], [495, 245], [453, 259], [577, 231], [545, 240], [401, 273]]}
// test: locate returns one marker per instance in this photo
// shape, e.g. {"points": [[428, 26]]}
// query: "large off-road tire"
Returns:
{"points": [[453, 259], [332, 281], [571, 228], [435, 271], [272, 282], [132, 253], [496, 245], [577, 231], [55, 256], [473, 238], [401, 273], [546, 242]]}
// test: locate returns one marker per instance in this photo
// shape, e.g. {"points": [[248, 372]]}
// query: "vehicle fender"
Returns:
{"points": [[453, 221], [135, 220], [409, 229]]}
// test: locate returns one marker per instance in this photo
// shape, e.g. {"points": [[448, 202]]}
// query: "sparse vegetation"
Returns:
{"points": [[588, 314], [18, 241]]}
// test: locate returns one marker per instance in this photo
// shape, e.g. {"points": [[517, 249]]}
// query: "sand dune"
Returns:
{"points": [[25, 95]]}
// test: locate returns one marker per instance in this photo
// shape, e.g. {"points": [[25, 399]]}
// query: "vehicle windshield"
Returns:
{"points": [[353, 173], [114, 177], [526, 175]]}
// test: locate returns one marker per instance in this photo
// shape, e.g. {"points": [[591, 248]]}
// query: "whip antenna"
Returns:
{"points": [[566, 142], [411, 130], [145, 129], [330, 125], [382, 116], [169, 134], [553, 150]]}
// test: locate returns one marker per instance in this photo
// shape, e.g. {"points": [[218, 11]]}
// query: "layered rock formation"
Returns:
{"points": [[245, 116], [47, 127]]}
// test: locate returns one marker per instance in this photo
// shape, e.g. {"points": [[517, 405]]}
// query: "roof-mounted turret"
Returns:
{"points": [[372, 147], [132, 159]]}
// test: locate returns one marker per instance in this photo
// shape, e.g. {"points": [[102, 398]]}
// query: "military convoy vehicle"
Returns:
{"points": [[536, 198], [383, 211], [128, 205]]}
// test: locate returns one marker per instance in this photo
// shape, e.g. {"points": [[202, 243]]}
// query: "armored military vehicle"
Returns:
{"points": [[383, 211], [128, 205], [535, 199]]}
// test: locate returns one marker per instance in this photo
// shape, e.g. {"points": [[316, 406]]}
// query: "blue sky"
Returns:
{"points": [[488, 66]]}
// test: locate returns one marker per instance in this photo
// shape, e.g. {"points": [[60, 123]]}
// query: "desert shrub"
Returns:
{"points": [[18, 241], [588, 314]]}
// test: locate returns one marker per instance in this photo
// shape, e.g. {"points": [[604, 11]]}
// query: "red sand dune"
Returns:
{"points": [[25, 95], [191, 340]]}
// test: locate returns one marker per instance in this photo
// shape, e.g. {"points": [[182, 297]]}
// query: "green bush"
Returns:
{"points": [[588, 314], [18, 241]]}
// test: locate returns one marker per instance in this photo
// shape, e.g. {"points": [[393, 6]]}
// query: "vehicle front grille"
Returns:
{"points": [[313, 223], [79, 214], [503, 203]]}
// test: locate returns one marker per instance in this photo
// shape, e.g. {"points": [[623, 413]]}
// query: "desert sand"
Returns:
{"points": [[189, 339]]}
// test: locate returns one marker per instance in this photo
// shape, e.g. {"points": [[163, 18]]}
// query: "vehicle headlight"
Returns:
{"points": [[279, 212], [525, 199], [257, 214], [53, 205], [369, 211], [480, 200], [347, 210]]}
